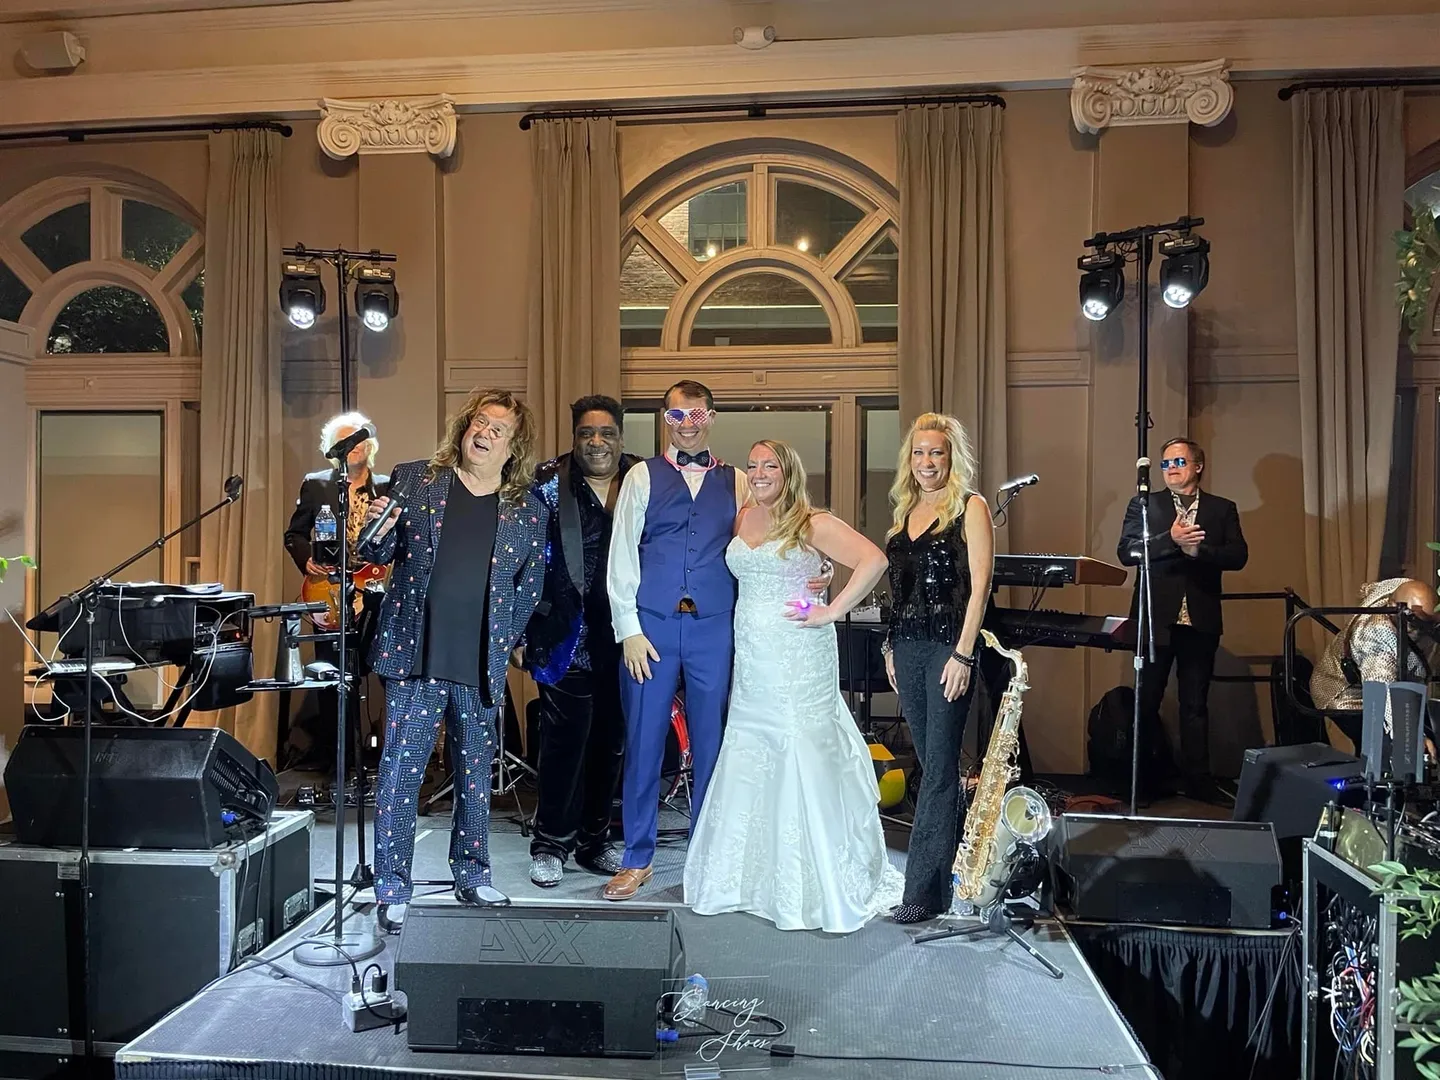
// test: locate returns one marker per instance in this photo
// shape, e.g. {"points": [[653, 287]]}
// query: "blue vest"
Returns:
{"points": [[682, 546]]}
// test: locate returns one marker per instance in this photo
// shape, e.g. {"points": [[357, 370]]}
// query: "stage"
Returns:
{"points": [[852, 1004]]}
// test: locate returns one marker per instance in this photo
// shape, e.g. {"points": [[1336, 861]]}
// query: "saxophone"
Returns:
{"points": [[1000, 821]]}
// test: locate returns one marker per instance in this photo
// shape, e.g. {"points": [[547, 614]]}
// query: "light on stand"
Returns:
{"points": [[302, 296], [1102, 283], [375, 297], [1186, 269]]}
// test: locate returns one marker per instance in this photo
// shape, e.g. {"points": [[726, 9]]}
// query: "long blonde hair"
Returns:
{"points": [[518, 473], [959, 481], [791, 512]]}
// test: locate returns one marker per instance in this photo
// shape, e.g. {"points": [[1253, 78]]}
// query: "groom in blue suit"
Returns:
{"points": [[671, 601]]}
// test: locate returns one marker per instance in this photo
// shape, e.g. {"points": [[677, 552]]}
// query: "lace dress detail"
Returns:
{"points": [[790, 829]]}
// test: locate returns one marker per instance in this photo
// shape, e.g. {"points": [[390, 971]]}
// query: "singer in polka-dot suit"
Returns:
{"points": [[467, 540]]}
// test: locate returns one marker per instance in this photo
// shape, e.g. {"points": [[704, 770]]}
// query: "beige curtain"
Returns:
{"points": [[952, 274], [240, 431], [1349, 171], [574, 271]]}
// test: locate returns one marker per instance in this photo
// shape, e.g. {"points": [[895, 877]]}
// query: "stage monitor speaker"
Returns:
{"points": [[158, 788], [575, 981], [1288, 786], [1168, 870]]}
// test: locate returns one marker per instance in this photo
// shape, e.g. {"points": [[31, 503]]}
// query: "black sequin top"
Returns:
{"points": [[929, 584]]}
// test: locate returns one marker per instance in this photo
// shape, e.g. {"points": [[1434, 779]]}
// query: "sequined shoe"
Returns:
{"points": [[913, 913], [602, 860], [546, 870]]}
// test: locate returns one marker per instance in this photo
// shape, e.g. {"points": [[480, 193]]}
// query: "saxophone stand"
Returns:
{"points": [[998, 920]]}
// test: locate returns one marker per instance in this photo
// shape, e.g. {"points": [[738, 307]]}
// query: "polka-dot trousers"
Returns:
{"points": [[414, 710]]}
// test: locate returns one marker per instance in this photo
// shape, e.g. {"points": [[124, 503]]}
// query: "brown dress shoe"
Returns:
{"points": [[626, 883]]}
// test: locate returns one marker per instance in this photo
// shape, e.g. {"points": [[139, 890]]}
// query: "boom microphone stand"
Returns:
{"points": [[88, 599]]}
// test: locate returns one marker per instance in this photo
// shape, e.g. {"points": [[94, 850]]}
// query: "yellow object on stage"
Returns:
{"points": [[889, 775]]}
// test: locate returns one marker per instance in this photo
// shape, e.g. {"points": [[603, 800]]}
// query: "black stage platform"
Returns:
{"points": [[875, 1002]]}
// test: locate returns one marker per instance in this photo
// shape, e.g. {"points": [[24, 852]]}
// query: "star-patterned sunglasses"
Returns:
{"points": [[1174, 462], [677, 417]]}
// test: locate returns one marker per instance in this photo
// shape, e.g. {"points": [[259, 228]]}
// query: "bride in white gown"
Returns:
{"points": [[790, 828]]}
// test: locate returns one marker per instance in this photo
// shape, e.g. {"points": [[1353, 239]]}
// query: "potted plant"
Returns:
{"points": [[23, 560], [1418, 909]]}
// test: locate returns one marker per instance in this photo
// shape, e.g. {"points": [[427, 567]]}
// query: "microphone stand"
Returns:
{"points": [[88, 598], [342, 947]]}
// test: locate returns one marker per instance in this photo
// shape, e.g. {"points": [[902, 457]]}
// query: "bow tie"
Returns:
{"points": [[702, 459]]}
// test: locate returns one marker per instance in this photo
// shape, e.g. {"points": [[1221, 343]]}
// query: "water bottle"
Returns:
{"points": [[325, 549]]}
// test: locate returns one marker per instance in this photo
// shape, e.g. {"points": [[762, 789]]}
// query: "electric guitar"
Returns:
{"points": [[327, 592]]}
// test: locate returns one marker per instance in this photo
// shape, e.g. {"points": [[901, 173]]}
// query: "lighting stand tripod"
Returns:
{"points": [[999, 919], [1140, 242]]}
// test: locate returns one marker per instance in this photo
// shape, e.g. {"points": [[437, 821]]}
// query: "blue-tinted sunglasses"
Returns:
{"points": [[1174, 462]]}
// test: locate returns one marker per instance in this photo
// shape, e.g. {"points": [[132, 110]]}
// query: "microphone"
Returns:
{"points": [[354, 439], [1020, 482], [1142, 475], [232, 488], [398, 494]]}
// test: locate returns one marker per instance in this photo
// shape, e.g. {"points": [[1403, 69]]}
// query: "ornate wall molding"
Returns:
{"points": [[1104, 97], [1255, 48], [15, 346], [388, 126]]}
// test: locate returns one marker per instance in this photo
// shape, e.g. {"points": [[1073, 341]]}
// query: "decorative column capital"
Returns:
{"points": [[1104, 97], [388, 126]]}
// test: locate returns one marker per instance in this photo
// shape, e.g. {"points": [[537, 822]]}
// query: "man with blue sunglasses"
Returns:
{"points": [[1194, 538]]}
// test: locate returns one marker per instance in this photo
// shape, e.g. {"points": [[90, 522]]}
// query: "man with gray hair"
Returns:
{"points": [[312, 735]]}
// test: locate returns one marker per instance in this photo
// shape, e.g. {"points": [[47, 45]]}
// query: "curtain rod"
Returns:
{"points": [[1287, 92], [80, 134], [758, 110]]}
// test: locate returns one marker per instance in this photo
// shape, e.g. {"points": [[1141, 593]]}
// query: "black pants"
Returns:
{"points": [[582, 750], [937, 727], [1193, 654]]}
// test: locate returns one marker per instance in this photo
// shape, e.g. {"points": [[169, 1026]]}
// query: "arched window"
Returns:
{"points": [[105, 269], [770, 271], [103, 265]]}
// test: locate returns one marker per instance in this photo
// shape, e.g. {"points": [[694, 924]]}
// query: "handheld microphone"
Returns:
{"points": [[398, 494], [1020, 482], [349, 442], [1142, 475], [232, 488]]}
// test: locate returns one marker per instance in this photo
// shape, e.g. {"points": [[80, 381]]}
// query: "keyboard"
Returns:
{"points": [[1018, 627]]}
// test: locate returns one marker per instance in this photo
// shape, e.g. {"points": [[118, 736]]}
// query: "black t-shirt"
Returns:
{"points": [[458, 598]]}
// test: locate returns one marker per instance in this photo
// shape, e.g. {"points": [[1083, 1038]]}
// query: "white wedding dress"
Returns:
{"points": [[790, 829]]}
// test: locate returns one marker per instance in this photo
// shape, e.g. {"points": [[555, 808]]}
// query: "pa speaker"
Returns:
{"points": [[181, 788], [1288, 786], [577, 981], [1168, 870]]}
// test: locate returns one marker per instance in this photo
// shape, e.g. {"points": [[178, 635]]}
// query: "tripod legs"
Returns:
{"points": [[997, 920]]}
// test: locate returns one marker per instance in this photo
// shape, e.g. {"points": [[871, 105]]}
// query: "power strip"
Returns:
{"points": [[377, 1007]]}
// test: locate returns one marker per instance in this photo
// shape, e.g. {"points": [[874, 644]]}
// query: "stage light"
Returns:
{"points": [[302, 296], [1186, 269], [1102, 283], [375, 297]]}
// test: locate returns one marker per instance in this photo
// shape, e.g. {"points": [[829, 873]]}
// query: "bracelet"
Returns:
{"points": [[968, 661], [886, 649]]}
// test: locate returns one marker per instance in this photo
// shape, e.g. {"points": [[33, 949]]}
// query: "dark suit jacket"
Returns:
{"points": [[319, 489], [555, 628], [1173, 574], [517, 575]]}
